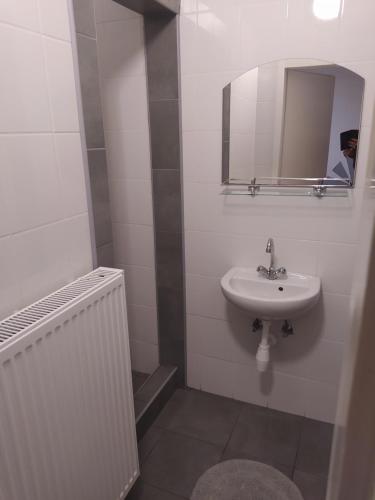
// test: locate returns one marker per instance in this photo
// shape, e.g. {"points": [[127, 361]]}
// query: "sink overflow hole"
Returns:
{"points": [[281, 289]]}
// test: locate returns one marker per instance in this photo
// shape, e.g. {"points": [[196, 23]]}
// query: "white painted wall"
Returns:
{"points": [[220, 40], [122, 69], [44, 230]]}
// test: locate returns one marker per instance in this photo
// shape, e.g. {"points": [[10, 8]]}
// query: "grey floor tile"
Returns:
{"points": [[267, 435], [312, 487], [200, 415], [148, 442], [177, 462], [142, 491], [315, 447]]}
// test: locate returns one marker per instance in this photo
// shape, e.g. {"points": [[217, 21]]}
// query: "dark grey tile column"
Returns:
{"points": [[161, 35], [94, 130]]}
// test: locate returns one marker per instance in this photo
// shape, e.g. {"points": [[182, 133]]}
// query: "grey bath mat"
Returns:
{"points": [[244, 480]]}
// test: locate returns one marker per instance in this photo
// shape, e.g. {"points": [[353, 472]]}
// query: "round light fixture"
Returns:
{"points": [[327, 9]]}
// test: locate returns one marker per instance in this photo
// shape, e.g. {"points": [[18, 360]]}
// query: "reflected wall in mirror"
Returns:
{"points": [[292, 119]]}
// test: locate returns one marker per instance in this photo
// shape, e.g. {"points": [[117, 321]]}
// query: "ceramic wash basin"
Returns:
{"points": [[284, 298]]}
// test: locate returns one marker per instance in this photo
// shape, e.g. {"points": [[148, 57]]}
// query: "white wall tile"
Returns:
{"points": [[55, 18], [218, 376], [42, 260], [321, 401], [70, 161], [140, 285], [202, 156], [24, 107], [193, 371], [329, 319], [217, 37], [336, 267], [286, 393], [213, 254], [358, 21], [121, 48], [250, 385], [31, 173], [77, 238], [7, 218], [21, 13], [10, 293], [61, 85], [131, 201], [314, 359], [125, 103], [134, 244], [317, 35], [209, 337], [188, 44], [143, 323], [144, 356], [261, 24], [45, 250], [204, 297], [341, 225], [128, 153], [206, 209]]}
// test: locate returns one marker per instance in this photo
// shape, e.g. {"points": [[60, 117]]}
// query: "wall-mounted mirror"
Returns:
{"points": [[292, 120]]}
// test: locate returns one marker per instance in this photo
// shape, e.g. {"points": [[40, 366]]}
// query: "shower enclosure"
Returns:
{"points": [[130, 118]]}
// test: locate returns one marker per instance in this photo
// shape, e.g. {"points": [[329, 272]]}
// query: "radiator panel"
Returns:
{"points": [[67, 427]]}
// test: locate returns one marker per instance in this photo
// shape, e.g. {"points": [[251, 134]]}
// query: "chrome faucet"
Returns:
{"points": [[271, 273], [270, 249]]}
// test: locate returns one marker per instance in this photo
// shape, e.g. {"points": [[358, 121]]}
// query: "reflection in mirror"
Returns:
{"points": [[295, 120]]}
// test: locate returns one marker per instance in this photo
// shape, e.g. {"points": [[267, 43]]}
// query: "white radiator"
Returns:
{"points": [[67, 427]]}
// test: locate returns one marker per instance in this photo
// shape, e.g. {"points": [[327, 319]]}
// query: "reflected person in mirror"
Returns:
{"points": [[349, 145]]}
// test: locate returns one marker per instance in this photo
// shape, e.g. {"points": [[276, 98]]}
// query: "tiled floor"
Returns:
{"points": [[197, 430], [138, 380]]}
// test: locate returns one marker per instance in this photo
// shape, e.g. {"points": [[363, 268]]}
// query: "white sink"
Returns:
{"points": [[284, 298]]}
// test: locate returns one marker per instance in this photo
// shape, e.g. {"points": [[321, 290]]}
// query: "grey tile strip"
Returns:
{"points": [[161, 35], [162, 57], [152, 6], [85, 25], [91, 102]]}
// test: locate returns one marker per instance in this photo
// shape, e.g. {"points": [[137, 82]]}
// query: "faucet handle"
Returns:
{"points": [[263, 271], [281, 271]]}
